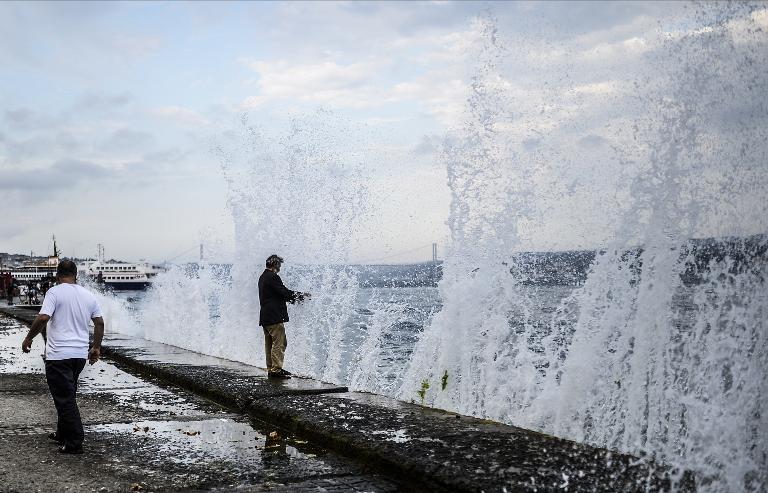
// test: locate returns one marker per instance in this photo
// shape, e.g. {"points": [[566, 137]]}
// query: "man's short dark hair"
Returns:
{"points": [[66, 268], [274, 261]]}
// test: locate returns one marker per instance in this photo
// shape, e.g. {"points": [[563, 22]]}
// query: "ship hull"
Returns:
{"points": [[128, 286]]}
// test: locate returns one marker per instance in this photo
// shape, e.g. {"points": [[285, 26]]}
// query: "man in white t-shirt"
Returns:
{"points": [[67, 309]]}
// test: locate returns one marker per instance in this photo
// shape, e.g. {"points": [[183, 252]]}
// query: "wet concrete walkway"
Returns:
{"points": [[144, 437], [427, 449]]}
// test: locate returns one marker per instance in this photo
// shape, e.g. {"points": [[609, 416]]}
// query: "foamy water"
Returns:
{"points": [[636, 359]]}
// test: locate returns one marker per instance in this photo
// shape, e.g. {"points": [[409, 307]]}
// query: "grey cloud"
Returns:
{"points": [[386, 20], [441, 16], [165, 163], [574, 18], [61, 176], [9, 231], [19, 115], [77, 168], [22, 118], [44, 145], [21, 149], [27, 119], [100, 102], [126, 139], [66, 141], [166, 156], [359, 27]]}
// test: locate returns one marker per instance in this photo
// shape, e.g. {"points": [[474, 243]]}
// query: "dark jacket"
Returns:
{"points": [[272, 297]]}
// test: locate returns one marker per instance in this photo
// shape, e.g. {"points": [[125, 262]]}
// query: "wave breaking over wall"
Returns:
{"points": [[636, 359], [657, 352]]}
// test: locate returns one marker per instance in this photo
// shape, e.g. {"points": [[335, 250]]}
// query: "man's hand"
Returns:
{"points": [[94, 354], [303, 296], [37, 326]]}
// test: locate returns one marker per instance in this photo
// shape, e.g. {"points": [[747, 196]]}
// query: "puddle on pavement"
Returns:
{"points": [[156, 400], [131, 391], [206, 441], [170, 452], [128, 390], [104, 376], [12, 359], [208, 435]]}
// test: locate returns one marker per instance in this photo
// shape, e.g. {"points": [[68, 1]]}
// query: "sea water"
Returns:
{"points": [[661, 352]]}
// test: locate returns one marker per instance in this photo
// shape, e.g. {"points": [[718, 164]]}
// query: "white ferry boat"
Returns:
{"points": [[37, 271], [29, 273], [120, 275], [115, 275]]}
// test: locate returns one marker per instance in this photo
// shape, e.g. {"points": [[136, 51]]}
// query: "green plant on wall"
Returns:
{"points": [[423, 391], [444, 380]]}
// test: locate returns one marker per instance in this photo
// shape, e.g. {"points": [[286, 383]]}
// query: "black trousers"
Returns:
{"points": [[62, 382]]}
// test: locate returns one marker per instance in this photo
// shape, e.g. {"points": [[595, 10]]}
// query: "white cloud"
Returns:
{"points": [[326, 82], [445, 48], [440, 93], [440, 96], [635, 27], [633, 46], [435, 64], [181, 115]]}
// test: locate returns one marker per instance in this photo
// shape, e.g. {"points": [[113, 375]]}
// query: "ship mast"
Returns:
{"points": [[56, 251], [53, 260]]}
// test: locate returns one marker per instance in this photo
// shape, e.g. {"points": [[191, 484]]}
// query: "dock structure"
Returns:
{"points": [[428, 449]]}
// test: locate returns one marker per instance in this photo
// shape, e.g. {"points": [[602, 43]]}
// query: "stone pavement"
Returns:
{"points": [[429, 449], [143, 437]]}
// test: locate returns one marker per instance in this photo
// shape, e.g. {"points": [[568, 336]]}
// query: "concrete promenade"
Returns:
{"points": [[392, 445]]}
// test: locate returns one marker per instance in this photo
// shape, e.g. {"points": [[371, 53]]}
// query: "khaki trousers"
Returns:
{"points": [[275, 343]]}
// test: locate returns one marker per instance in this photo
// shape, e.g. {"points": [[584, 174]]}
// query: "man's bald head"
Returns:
{"points": [[66, 268]]}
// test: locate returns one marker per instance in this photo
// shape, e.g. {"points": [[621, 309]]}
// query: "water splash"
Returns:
{"points": [[637, 359], [662, 351], [479, 336], [660, 365], [294, 193]]}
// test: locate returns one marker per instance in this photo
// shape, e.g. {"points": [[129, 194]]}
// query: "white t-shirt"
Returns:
{"points": [[71, 308]]}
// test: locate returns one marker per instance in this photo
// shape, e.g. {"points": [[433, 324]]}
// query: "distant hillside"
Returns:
{"points": [[566, 268], [400, 276], [571, 268]]}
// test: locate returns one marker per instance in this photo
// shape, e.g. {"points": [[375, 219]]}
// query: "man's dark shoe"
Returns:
{"points": [[277, 374], [285, 372], [70, 450], [55, 437]]}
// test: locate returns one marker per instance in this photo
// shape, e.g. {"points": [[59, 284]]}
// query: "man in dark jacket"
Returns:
{"points": [[273, 296]]}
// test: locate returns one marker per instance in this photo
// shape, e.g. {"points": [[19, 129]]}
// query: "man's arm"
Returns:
{"points": [[98, 334], [37, 327], [280, 289]]}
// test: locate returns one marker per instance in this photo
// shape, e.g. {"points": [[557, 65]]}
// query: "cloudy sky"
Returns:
{"points": [[109, 111]]}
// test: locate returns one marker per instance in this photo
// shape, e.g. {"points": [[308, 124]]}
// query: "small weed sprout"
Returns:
{"points": [[444, 380], [423, 391]]}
